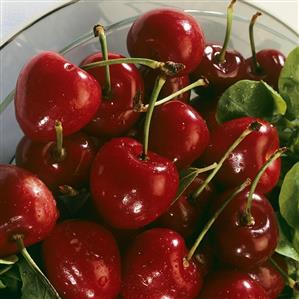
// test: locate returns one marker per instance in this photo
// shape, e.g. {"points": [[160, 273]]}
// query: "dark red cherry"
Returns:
{"points": [[204, 257], [231, 284], [271, 62], [41, 158], [171, 85], [155, 267], [167, 34], [248, 157], [129, 191], [116, 114], [178, 132], [185, 215], [50, 88], [221, 75], [82, 261], [241, 244], [27, 208]]}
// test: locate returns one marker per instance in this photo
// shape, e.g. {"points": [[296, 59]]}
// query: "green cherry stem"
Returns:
{"points": [[248, 217], [254, 126], [99, 31], [160, 81], [214, 218], [59, 152], [255, 64], [200, 82], [20, 245], [168, 68], [229, 22]]}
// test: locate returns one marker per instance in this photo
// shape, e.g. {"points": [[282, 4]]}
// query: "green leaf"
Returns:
{"points": [[32, 286], [288, 83], [289, 197], [296, 240], [250, 98], [9, 260]]}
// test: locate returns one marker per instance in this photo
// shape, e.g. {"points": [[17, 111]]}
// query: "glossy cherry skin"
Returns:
{"points": [[50, 88], [269, 278], [74, 168], [271, 62], [231, 284], [171, 85], [154, 268], [27, 207], [116, 114], [82, 261], [178, 132], [167, 34], [239, 244], [220, 75], [248, 157], [185, 215], [128, 191]]}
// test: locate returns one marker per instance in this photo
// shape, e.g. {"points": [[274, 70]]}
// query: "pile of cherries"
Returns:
{"points": [[86, 127]]}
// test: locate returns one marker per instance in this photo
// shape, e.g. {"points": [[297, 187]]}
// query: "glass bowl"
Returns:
{"points": [[68, 29]]}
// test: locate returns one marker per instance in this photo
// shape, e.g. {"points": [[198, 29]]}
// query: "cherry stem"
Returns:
{"points": [[59, 150], [229, 22], [168, 68], [200, 82], [160, 81], [99, 31], [255, 64], [254, 126], [68, 190], [20, 245], [291, 282], [248, 217], [214, 218]]}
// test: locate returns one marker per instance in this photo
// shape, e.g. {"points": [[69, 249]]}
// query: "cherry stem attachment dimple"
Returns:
{"points": [[248, 217], [160, 81], [59, 150], [214, 218], [199, 82], [229, 22], [99, 31], [256, 66], [254, 126], [20, 245]]}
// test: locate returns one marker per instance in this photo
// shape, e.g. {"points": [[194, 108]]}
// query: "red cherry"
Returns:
{"points": [[171, 85], [221, 75], [50, 88], [249, 155], [231, 284], [167, 34], [178, 132], [128, 191], [27, 208], [72, 170], [155, 267], [241, 244], [116, 114], [271, 62], [82, 261]]}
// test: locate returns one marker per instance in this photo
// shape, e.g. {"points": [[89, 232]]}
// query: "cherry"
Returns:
{"points": [[244, 244], [82, 260], [231, 284], [129, 190], [116, 114], [245, 161], [220, 66], [71, 169], [155, 267], [167, 34], [50, 88], [171, 85], [27, 208], [188, 128]]}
